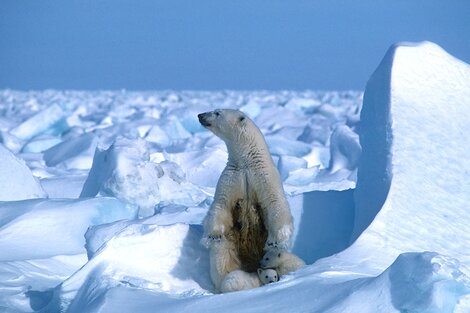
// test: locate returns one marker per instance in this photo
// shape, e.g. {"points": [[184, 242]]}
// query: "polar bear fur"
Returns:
{"points": [[282, 261], [250, 212], [240, 280]]}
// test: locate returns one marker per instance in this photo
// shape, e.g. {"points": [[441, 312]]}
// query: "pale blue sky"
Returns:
{"points": [[217, 44]]}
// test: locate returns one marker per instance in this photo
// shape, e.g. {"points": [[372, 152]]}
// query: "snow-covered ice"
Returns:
{"points": [[16, 180], [73, 153], [413, 184], [103, 195], [415, 165], [146, 256], [49, 227], [126, 172], [345, 149], [39, 123]]}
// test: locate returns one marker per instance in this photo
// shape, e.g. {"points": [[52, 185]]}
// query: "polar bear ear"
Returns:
{"points": [[260, 271]]}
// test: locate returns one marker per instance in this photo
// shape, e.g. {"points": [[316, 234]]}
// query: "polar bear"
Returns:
{"points": [[240, 280], [250, 212], [282, 261]]}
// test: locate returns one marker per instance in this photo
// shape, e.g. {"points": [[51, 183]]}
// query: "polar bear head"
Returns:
{"points": [[267, 275], [271, 259], [228, 125]]}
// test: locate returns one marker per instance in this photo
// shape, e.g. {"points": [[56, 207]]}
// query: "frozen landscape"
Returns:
{"points": [[103, 194]]}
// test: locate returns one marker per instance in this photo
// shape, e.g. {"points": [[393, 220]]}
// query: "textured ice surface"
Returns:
{"points": [[126, 172], [16, 180], [168, 122]]}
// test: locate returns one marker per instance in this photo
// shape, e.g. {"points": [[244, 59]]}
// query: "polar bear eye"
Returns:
{"points": [[217, 113], [241, 119], [267, 277], [267, 259]]}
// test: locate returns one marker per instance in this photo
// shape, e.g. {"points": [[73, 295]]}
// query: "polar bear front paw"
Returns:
{"points": [[214, 237]]}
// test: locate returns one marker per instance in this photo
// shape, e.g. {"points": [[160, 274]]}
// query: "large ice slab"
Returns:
{"points": [[69, 186], [202, 167], [16, 180], [345, 150], [414, 171], [166, 259], [75, 153], [33, 229], [40, 122], [40, 144]]}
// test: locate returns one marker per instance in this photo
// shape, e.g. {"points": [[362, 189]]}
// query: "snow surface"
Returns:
{"points": [[395, 244], [49, 227], [15, 173]]}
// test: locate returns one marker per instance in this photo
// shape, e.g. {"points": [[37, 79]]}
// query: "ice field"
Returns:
{"points": [[103, 193]]}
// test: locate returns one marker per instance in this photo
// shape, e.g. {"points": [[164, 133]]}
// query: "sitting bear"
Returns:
{"points": [[240, 280], [282, 261], [250, 213]]}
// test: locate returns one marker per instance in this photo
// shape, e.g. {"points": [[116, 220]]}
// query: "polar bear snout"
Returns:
{"points": [[204, 119]]}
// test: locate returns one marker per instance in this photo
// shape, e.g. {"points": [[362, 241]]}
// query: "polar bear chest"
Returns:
{"points": [[249, 228]]}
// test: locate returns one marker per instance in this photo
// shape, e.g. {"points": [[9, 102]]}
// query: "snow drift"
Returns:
{"points": [[140, 255]]}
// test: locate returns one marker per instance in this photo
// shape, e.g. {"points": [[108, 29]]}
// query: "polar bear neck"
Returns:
{"points": [[248, 152]]}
